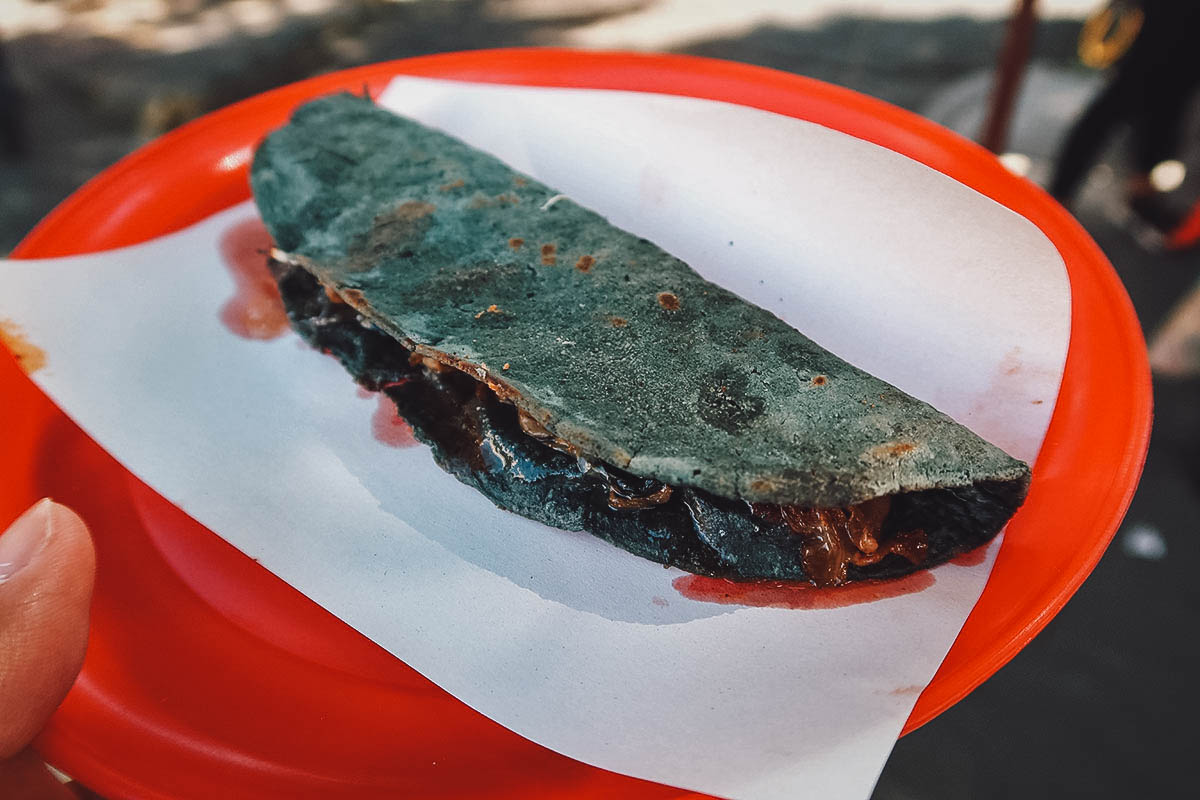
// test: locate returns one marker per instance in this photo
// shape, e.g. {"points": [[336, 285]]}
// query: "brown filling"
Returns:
{"points": [[626, 502], [831, 538], [540, 432], [834, 538]]}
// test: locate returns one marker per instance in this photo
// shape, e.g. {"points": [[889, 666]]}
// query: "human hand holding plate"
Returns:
{"points": [[47, 569]]}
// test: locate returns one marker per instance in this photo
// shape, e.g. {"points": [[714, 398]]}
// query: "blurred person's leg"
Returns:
{"points": [[1115, 104], [1158, 130], [1169, 88], [1148, 90], [1157, 136]]}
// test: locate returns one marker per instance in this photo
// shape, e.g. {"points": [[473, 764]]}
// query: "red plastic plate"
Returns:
{"points": [[206, 676]]}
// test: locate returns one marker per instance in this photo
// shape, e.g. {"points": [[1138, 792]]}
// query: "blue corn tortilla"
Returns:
{"points": [[611, 368]]}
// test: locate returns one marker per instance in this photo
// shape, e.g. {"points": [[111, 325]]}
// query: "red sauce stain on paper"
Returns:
{"points": [[389, 427], [971, 558], [797, 595], [30, 357], [256, 310]]}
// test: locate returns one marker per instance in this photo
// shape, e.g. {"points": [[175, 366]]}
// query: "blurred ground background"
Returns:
{"points": [[1096, 705]]}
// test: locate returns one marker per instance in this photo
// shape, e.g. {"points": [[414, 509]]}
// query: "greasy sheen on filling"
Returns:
{"points": [[823, 545], [830, 539]]}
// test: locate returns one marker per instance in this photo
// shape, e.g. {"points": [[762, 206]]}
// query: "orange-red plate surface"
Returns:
{"points": [[206, 676]]}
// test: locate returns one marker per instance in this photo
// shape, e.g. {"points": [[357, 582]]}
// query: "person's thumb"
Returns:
{"points": [[47, 568]]}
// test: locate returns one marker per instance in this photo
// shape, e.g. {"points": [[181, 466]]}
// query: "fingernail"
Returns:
{"points": [[24, 539]]}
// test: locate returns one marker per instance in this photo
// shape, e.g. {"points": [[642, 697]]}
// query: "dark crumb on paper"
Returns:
{"points": [[549, 254], [1037, 402], [29, 356], [585, 263], [820, 380], [516, 242], [668, 301]]}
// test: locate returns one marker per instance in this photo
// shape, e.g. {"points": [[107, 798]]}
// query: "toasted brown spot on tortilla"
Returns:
{"points": [[506, 365], [820, 380], [618, 322], [519, 181], [668, 301], [29, 356], [456, 184], [761, 485], [584, 263], [549, 254], [412, 210], [481, 200], [406, 223], [891, 449], [516, 242], [492, 309]]}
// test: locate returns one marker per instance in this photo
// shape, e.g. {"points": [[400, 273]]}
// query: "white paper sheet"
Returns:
{"points": [[570, 642]]}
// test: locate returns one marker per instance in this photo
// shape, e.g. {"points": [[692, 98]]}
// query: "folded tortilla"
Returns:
{"points": [[581, 376]]}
